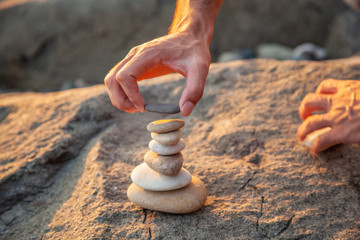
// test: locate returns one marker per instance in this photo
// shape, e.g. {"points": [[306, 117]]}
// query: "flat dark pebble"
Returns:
{"points": [[162, 108]]}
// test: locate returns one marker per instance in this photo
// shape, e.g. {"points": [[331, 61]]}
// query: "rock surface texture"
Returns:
{"points": [[66, 159]]}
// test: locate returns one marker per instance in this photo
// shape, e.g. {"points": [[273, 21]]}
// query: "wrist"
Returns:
{"points": [[197, 18], [202, 31]]}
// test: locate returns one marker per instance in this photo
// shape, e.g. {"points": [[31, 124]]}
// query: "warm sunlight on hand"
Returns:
{"points": [[179, 52], [340, 99]]}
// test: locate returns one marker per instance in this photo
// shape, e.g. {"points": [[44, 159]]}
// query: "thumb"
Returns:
{"points": [[195, 83]]}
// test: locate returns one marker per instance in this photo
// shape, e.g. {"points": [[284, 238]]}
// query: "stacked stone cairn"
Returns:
{"points": [[161, 183]]}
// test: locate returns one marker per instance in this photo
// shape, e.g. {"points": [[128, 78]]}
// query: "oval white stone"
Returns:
{"points": [[165, 125], [310, 138], [184, 200], [169, 138], [166, 150], [146, 178]]}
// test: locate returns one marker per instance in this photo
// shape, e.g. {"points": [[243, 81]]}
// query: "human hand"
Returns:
{"points": [[340, 99], [180, 52]]}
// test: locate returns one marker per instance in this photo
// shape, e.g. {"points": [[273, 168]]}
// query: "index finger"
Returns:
{"points": [[127, 77]]}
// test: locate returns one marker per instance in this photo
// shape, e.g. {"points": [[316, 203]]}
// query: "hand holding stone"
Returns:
{"points": [[340, 100], [180, 52]]}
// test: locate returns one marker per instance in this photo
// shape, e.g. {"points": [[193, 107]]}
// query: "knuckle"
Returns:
{"points": [[121, 77], [108, 82], [134, 50], [307, 99]]}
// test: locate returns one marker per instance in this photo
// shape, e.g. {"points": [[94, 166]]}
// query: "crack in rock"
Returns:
{"points": [[247, 182], [287, 225], [149, 229], [145, 216], [261, 213]]}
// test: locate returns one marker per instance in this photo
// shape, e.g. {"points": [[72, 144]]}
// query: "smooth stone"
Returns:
{"points": [[146, 178], [165, 125], [169, 138], [310, 138], [184, 200], [274, 50], [236, 54], [167, 165], [166, 150], [162, 108], [309, 51]]}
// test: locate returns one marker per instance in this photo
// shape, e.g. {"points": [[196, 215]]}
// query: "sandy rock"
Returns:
{"points": [[170, 138], [66, 158], [165, 125], [166, 150], [184, 200], [146, 178], [167, 165]]}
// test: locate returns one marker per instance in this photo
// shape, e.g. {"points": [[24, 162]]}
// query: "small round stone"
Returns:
{"points": [[146, 178], [169, 138], [167, 165], [162, 108], [166, 150], [165, 125], [184, 200], [311, 137]]}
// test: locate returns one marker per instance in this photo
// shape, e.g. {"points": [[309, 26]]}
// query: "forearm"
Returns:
{"points": [[196, 17]]}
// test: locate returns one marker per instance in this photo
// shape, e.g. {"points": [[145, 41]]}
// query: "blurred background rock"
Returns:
{"points": [[48, 45]]}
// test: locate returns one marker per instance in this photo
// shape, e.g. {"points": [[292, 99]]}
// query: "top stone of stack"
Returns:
{"points": [[165, 125]]}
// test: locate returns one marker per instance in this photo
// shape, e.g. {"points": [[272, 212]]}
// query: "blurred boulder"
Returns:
{"points": [[236, 54], [344, 37], [355, 4], [45, 43], [247, 24], [308, 51]]}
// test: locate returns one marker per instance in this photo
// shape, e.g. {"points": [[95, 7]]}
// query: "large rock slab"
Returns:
{"points": [[39, 132], [262, 183], [344, 36]]}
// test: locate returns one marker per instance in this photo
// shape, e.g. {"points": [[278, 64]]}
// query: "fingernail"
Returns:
{"points": [[187, 108], [139, 108]]}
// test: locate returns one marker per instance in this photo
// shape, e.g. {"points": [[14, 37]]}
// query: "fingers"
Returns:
{"points": [[127, 77], [325, 141], [314, 102], [117, 96], [195, 83], [328, 86], [311, 124]]}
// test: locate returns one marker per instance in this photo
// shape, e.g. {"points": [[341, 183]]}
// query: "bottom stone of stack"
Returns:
{"points": [[184, 200]]}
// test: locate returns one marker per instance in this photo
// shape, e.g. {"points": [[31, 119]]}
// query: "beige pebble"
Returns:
{"points": [[311, 137], [167, 165], [169, 138], [146, 178], [166, 150], [165, 125], [184, 200]]}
